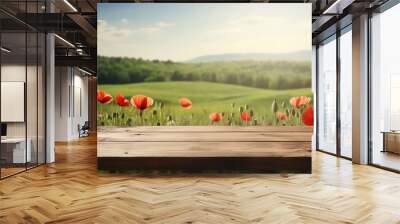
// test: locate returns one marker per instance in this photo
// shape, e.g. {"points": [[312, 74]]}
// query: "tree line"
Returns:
{"points": [[259, 74]]}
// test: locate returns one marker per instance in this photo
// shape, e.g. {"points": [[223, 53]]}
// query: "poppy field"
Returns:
{"points": [[192, 103]]}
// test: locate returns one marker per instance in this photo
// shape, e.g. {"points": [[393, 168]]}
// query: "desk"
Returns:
{"points": [[391, 141], [16, 147]]}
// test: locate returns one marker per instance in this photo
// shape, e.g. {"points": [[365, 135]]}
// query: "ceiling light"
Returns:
{"points": [[79, 51], [84, 71], [65, 41], [70, 5], [338, 6], [5, 50]]}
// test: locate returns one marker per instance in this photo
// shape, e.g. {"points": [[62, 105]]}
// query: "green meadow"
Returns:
{"points": [[207, 97]]}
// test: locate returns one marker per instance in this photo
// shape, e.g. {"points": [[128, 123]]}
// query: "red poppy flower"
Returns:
{"points": [[120, 100], [185, 103], [103, 97], [245, 116], [281, 116], [141, 102], [308, 116], [215, 117], [299, 101]]}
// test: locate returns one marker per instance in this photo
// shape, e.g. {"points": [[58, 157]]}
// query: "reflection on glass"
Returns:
{"points": [[31, 97], [41, 99], [346, 94], [385, 91], [22, 91], [327, 96], [14, 153]]}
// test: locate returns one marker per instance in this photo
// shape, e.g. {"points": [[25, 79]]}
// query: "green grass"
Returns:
{"points": [[206, 97]]}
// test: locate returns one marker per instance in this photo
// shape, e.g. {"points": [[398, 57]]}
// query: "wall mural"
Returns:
{"points": [[204, 64]]}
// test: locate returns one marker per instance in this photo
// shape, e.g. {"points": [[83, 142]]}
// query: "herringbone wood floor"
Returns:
{"points": [[72, 191]]}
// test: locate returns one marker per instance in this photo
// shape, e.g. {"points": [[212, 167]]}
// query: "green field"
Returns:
{"points": [[207, 97]]}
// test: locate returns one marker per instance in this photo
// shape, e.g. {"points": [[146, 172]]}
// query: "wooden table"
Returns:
{"points": [[253, 149], [391, 141], [14, 152]]}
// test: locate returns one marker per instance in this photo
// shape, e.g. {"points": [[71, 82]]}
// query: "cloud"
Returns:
{"points": [[254, 20], [108, 32], [246, 24], [147, 30], [228, 30], [154, 28], [165, 24]]}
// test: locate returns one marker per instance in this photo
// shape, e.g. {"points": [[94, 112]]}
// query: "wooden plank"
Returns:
{"points": [[134, 136], [204, 149], [110, 129], [252, 149]]}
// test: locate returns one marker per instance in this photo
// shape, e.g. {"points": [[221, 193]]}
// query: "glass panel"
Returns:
{"points": [[385, 84], [22, 88], [31, 98], [327, 96], [13, 86], [32, 86], [41, 99], [346, 94]]}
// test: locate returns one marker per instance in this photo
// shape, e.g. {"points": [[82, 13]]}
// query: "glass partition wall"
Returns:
{"points": [[346, 95], [385, 89], [327, 95], [22, 77], [334, 104]]}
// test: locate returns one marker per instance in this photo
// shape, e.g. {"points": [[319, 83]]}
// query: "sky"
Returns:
{"points": [[181, 32]]}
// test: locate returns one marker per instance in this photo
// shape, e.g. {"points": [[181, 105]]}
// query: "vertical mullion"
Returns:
{"points": [[45, 95], [316, 96], [73, 93], [338, 74], [45, 87], [369, 89], [37, 90], [26, 86]]}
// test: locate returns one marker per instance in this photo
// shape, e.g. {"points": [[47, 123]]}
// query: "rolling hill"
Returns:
{"points": [[259, 74], [292, 56]]}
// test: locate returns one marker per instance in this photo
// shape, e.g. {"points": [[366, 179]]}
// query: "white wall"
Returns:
{"points": [[12, 73], [80, 98], [70, 83], [62, 82], [33, 126]]}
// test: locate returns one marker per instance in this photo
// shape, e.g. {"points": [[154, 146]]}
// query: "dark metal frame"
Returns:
{"points": [[316, 96], [338, 98], [369, 79]]}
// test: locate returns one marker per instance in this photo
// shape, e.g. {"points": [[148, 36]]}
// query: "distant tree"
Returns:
{"points": [[259, 74], [176, 76], [261, 82]]}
